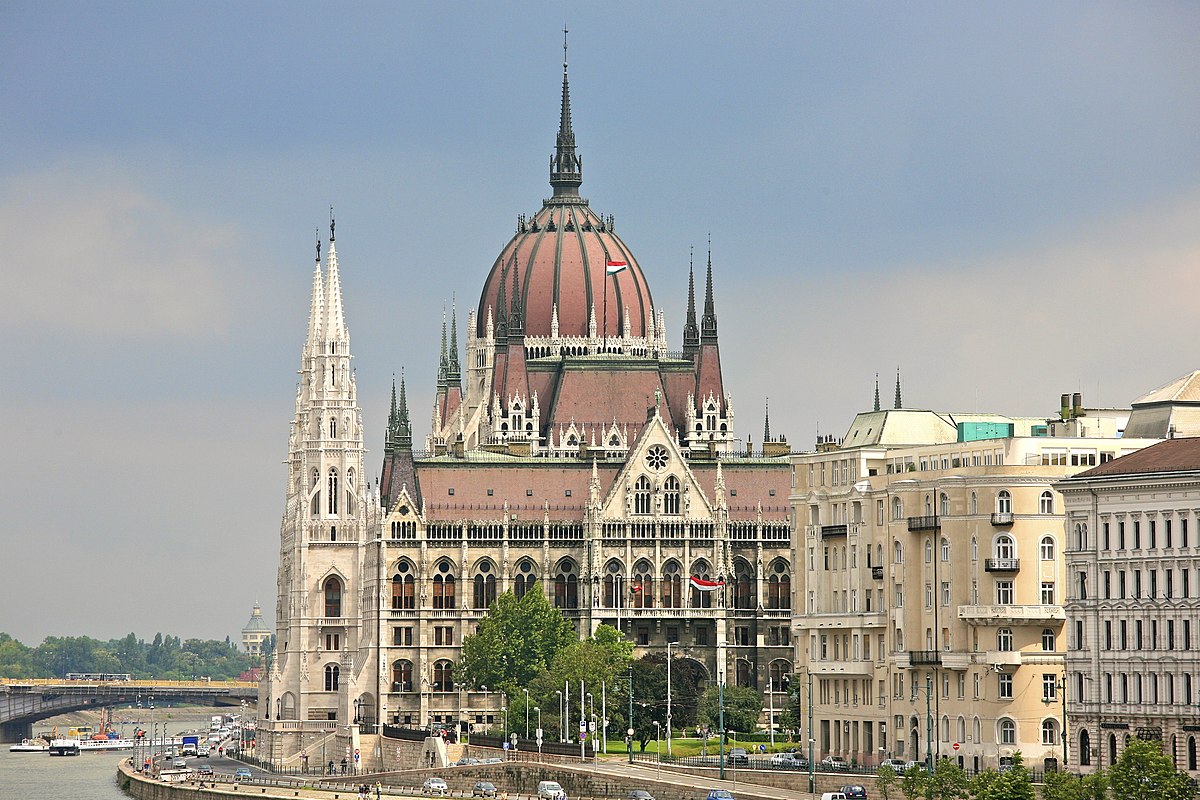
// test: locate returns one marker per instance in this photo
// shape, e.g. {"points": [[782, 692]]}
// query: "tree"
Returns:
{"points": [[1014, 783], [947, 782], [887, 782], [515, 642], [602, 660], [1144, 771], [743, 706]]}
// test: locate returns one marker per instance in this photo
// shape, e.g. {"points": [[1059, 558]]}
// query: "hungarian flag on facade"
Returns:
{"points": [[705, 586], [613, 267]]}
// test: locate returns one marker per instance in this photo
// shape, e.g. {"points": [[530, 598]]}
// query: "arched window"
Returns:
{"points": [[484, 585], [443, 676], [701, 569], [525, 578], [671, 495], [443, 586], [315, 504], [745, 673], [332, 677], [897, 509], [404, 587], [1004, 502], [1046, 503], [1047, 640], [977, 730], [944, 505], [350, 505], [897, 552], [974, 503], [566, 585], [1081, 536], [333, 427], [1004, 640], [928, 550], [945, 549], [614, 585], [333, 597], [779, 585], [1005, 546], [743, 585], [642, 588], [1047, 548], [1085, 748], [1008, 731], [974, 549], [1049, 732], [945, 728], [332, 491], [672, 585], [641, 495], [402, 672], [780, 675], [962, 729]]}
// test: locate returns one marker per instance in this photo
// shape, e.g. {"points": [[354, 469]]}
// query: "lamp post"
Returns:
{"points": [[562, 718], [928, 729], [669, 697], [538, 710], [657, 745], [504, 722], [526, 691], [1060, 687], [629, 722], [771, 710], [592, 720], [812, 778], [486, 725]]}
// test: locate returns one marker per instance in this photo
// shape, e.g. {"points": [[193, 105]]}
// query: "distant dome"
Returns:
{"points": [[558, 258]]}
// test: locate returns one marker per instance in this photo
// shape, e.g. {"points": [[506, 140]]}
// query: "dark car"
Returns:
{"points": [[854, 792], [640, 794], [483, 789], [738, 756]]}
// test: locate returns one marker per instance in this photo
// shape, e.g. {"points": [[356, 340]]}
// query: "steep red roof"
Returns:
{"points": [[600, 395]]}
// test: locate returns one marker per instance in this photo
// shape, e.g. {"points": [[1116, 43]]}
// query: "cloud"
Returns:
{"points": [[90, 252]]}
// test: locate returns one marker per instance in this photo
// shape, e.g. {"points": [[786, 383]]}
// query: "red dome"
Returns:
{"points": [[558, 258]]}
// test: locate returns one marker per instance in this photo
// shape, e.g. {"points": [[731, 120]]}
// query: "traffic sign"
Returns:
{"points": [[582, 726], [956, 746]]}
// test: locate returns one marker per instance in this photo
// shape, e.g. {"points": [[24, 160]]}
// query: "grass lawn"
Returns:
{"points": [[681, 747]]}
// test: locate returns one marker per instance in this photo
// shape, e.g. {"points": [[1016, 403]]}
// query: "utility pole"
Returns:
{"points": [[721, 723], [582, 724], [604, 714], [669, 697], [629, 733], [771, 711], [812, 778]]}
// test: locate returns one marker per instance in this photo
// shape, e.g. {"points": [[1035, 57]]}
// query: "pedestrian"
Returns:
{"points": [[343, 766], [330, 766], [378, 790]]}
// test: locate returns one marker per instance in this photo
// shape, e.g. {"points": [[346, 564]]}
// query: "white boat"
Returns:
{"points": [[64, 747], [90, 745], [30, 746]]}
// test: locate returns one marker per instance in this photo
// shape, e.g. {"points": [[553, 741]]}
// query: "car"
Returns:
{"points": [[242, 774], [897, 765], [466, 762], [550, 790], [854, 791], [719, 794], [435, 786], [921, 765], [640, 794], [787, 761], [483, 789], [202, 751], [832, 796], [179, 763], [205, 770], [834, 764], [738, 756]]}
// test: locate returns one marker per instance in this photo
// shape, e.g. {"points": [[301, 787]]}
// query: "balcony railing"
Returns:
{"points": [[828, 531], [1012, 614], [1002, 565], [1002, 518], [923, 524], [924, 658], [877, 573]]}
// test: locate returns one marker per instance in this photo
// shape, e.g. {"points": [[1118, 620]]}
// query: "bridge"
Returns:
{"points": [[24, 702]]}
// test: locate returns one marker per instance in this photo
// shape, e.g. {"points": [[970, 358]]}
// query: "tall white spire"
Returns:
{"points": [[335, 321], [316, 311]]}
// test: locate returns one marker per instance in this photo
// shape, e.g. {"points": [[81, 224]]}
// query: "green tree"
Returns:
{"points": [[743, 706], [517, 641], [1144, 771], [887, 782], [1014, 783], [1065, 786], [600, 661]]}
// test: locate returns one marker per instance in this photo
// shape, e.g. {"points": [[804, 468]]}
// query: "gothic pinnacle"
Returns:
{"points": [[898, 405]]}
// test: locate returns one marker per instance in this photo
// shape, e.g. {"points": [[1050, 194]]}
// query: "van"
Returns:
{"points": [[833, 796]]}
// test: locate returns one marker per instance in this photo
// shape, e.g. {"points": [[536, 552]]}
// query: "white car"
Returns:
{"points": [[550, 790], [834, 764], [435, 786]]}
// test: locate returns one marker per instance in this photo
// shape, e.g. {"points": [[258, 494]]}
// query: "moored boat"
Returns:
{"points": [[64, 747], [30, 746]]}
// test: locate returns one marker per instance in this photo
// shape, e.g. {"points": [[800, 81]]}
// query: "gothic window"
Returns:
{"points": [[443, 586], [1046, 503], [642, 589], [671, 495], [315, 508], [745, 673], [945, 547], [702, 599], [1004, 502], [566, 585], [333, 491], [780, 675], [333, 597], [614, 585], [672, 585], [332, 677], [641, 495], [402, 672], [656, 457], [525, 578], [404, 587], [443, 676], [974, 503], [743, 585], [333, 427], [484, 585]]}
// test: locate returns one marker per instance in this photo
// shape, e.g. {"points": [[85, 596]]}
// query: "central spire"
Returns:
{"points": [[566, 168]]}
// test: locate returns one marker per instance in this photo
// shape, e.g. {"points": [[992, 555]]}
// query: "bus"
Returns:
{"points": [[99, 676]]}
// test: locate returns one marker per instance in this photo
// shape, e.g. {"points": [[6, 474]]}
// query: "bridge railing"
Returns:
{"points": [[133, 684]]}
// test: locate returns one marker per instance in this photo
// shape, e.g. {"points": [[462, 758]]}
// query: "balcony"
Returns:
{"points": [[924, 658], [830, 531], [1002, 519], [1012, 614], [877, 573], [1002, 659], [1002, 565], [923, 524]]}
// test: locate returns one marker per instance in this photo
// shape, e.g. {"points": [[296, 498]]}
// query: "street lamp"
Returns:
{"points": [[562, 719], [1059, 686], [657, 746], [357, 704], [538, 710], [526, 691], [771, 710], [486, 725], [669, 697], [928, 721]]}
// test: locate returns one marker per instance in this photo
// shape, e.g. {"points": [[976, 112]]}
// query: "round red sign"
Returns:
{"points": [[956, 745]]}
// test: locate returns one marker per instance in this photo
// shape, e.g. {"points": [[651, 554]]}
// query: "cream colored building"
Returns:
{"points": [[1133, 608], [931, 584]]}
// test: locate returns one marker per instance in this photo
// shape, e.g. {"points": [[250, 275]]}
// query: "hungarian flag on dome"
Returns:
{"points": [[705, 586], [613, 267]]}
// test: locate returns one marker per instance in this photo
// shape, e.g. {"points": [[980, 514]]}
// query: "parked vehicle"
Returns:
{"points": [[483, 789], [435, 787], [550, 790], [738, 756], [788, 761], [242, 774], [832, 796], [719, 794], [205, 770], [834, 764], [640, 794], [898, 765], [854, 791]]}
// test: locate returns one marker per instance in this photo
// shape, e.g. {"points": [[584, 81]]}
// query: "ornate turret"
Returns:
{"points": [[566, 168], [898, 404], [691, 331], [708, 323], [876, 391]]}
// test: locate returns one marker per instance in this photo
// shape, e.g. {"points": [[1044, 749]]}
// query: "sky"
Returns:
{"points": [[999, 200]]}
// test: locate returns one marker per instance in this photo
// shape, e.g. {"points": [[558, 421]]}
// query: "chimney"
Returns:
{"points": [[1065, 407], [1077, 404]]}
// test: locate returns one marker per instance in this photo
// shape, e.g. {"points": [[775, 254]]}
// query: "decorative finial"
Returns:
{"points": [[564, 49], [767, 421], [898, 388], [332, 223], [318, 245], [876, 391]]}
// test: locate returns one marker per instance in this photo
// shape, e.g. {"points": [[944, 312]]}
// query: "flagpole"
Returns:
{"points": [[604, 346]]}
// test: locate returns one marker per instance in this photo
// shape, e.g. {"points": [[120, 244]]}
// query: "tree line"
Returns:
{"points": [[164, 658]]}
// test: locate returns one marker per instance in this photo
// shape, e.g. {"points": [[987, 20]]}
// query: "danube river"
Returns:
{"points": [[88, 776]]}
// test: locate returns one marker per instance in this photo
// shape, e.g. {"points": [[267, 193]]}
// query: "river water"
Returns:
{"points": [[88, 776]]}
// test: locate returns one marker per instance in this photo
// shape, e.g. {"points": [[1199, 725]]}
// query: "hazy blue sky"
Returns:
{"points": [[1002, 200]]}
